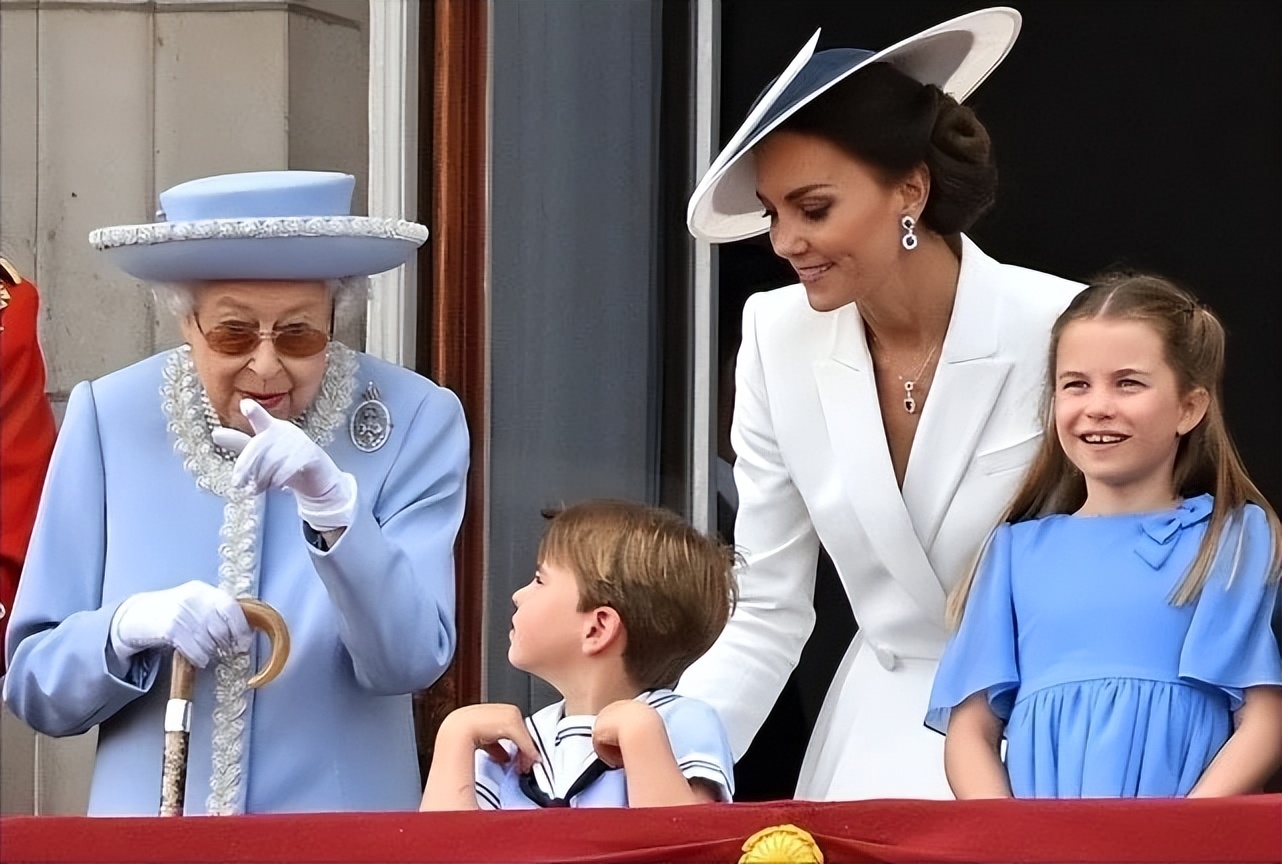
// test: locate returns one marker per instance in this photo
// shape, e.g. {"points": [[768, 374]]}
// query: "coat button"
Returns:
{"points": [[887, 658]]}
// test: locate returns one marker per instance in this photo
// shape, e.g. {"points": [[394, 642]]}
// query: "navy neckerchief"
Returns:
{"points": [[589, 776]]}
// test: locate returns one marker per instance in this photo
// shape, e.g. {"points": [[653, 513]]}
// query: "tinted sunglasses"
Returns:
{"points": [[237, 339]]}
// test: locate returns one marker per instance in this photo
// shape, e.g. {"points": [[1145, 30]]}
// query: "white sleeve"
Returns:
{"points": [[744, 672]]}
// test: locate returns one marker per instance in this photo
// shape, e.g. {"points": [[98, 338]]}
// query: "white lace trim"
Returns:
{"points": [[255, 229], [191, 420]]}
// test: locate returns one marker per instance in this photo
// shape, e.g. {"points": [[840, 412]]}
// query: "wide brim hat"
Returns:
{"points": [[956, 56], [260, 225]]}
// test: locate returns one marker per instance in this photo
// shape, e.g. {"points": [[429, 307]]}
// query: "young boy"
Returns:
{"points": [[625, 597]]}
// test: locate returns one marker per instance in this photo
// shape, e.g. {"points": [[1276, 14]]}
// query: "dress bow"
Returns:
{"points": [[1161, 530]]}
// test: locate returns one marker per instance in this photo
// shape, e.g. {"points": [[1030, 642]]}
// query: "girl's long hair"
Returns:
{"points": [[1206, 461]]}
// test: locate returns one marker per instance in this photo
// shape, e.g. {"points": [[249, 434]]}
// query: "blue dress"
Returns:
{"points": [[1108, 690]]}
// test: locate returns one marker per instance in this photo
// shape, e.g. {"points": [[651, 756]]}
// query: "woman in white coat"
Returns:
{"points": [[886, 406], [260, 459]]}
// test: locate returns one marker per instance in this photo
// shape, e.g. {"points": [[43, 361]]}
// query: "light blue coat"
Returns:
{"points": [[370, 620]]}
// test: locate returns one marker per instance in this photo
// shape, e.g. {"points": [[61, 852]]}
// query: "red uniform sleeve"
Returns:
{"points": [[26, 434]]}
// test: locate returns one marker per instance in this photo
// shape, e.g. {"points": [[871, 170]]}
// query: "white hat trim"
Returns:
{"points": [[994, 30], [257, 229]]}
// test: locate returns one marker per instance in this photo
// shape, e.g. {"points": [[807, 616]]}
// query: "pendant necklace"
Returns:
{"points": [[910, 381], [910, 402]]}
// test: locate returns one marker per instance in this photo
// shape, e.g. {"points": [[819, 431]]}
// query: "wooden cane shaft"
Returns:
{"points": [[182, 679], [173, 782], [173, 778]]}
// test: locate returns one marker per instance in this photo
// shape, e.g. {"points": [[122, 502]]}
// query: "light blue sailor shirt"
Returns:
{"points": [[695, 732]]}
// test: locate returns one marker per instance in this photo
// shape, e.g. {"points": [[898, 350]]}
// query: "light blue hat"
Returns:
{"points": [[956, 56], [260, 225]]}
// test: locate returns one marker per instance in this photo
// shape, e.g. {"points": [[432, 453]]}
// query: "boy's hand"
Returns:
{"points": [[481, 727], [621, 726]]}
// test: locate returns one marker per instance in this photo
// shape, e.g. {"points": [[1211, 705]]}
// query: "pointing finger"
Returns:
{"points": [[259, 419]]}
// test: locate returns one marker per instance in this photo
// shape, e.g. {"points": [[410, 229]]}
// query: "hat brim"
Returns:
{"points": [[956, 56], [284, 248]]}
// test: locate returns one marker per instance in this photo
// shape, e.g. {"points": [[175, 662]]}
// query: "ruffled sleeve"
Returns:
{"points": [[983, 654], [1230, 643]]}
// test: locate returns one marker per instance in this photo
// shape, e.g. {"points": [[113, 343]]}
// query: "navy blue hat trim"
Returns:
{"points": [[820, 70]]}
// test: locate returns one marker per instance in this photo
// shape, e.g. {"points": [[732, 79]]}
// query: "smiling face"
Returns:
{"points": [[832, 216], [285, 386], [547, 626], [1120, 412]]}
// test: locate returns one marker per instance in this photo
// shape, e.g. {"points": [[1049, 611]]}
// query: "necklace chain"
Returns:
{"points": [[922, 367], [910, 383]]}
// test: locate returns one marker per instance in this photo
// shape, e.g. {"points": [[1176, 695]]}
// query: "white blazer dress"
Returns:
{"points": [[813, 467]]}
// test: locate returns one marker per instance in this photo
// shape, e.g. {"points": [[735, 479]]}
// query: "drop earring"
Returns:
{"points": [[909, 240]]}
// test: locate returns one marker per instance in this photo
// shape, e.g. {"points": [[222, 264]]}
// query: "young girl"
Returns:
{"points": [[1118, 630]]}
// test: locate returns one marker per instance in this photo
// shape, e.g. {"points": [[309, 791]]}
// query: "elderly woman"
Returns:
{"points": [[886, 406], [260, 459]]}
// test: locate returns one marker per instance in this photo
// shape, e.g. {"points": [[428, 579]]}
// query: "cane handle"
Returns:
{"points": [[263, 617], [173, 783]]}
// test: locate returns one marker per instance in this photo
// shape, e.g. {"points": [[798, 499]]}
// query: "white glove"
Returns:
{"points": [[196, 619], [281, 456]]}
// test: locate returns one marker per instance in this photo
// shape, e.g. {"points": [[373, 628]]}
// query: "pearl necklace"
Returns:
{"points": [[191, 421]]}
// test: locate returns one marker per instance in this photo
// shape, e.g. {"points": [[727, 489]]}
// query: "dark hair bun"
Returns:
{"points": [[895, 123], [960, 159]]}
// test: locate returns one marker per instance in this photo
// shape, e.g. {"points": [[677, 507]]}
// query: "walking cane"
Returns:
{"points": [[173, 783]]}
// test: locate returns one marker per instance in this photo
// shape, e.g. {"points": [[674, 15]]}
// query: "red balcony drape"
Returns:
{"points": [[1247, 829]]}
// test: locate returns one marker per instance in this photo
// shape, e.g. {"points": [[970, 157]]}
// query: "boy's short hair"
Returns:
{"points": [[673, 587]]}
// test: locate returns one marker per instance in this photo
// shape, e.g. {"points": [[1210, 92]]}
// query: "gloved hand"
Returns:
{"points": [[196, 619], [279, 455]]}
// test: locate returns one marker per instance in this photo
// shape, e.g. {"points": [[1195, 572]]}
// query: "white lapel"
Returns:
{"points": [[967, 383], [848, 394]]}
